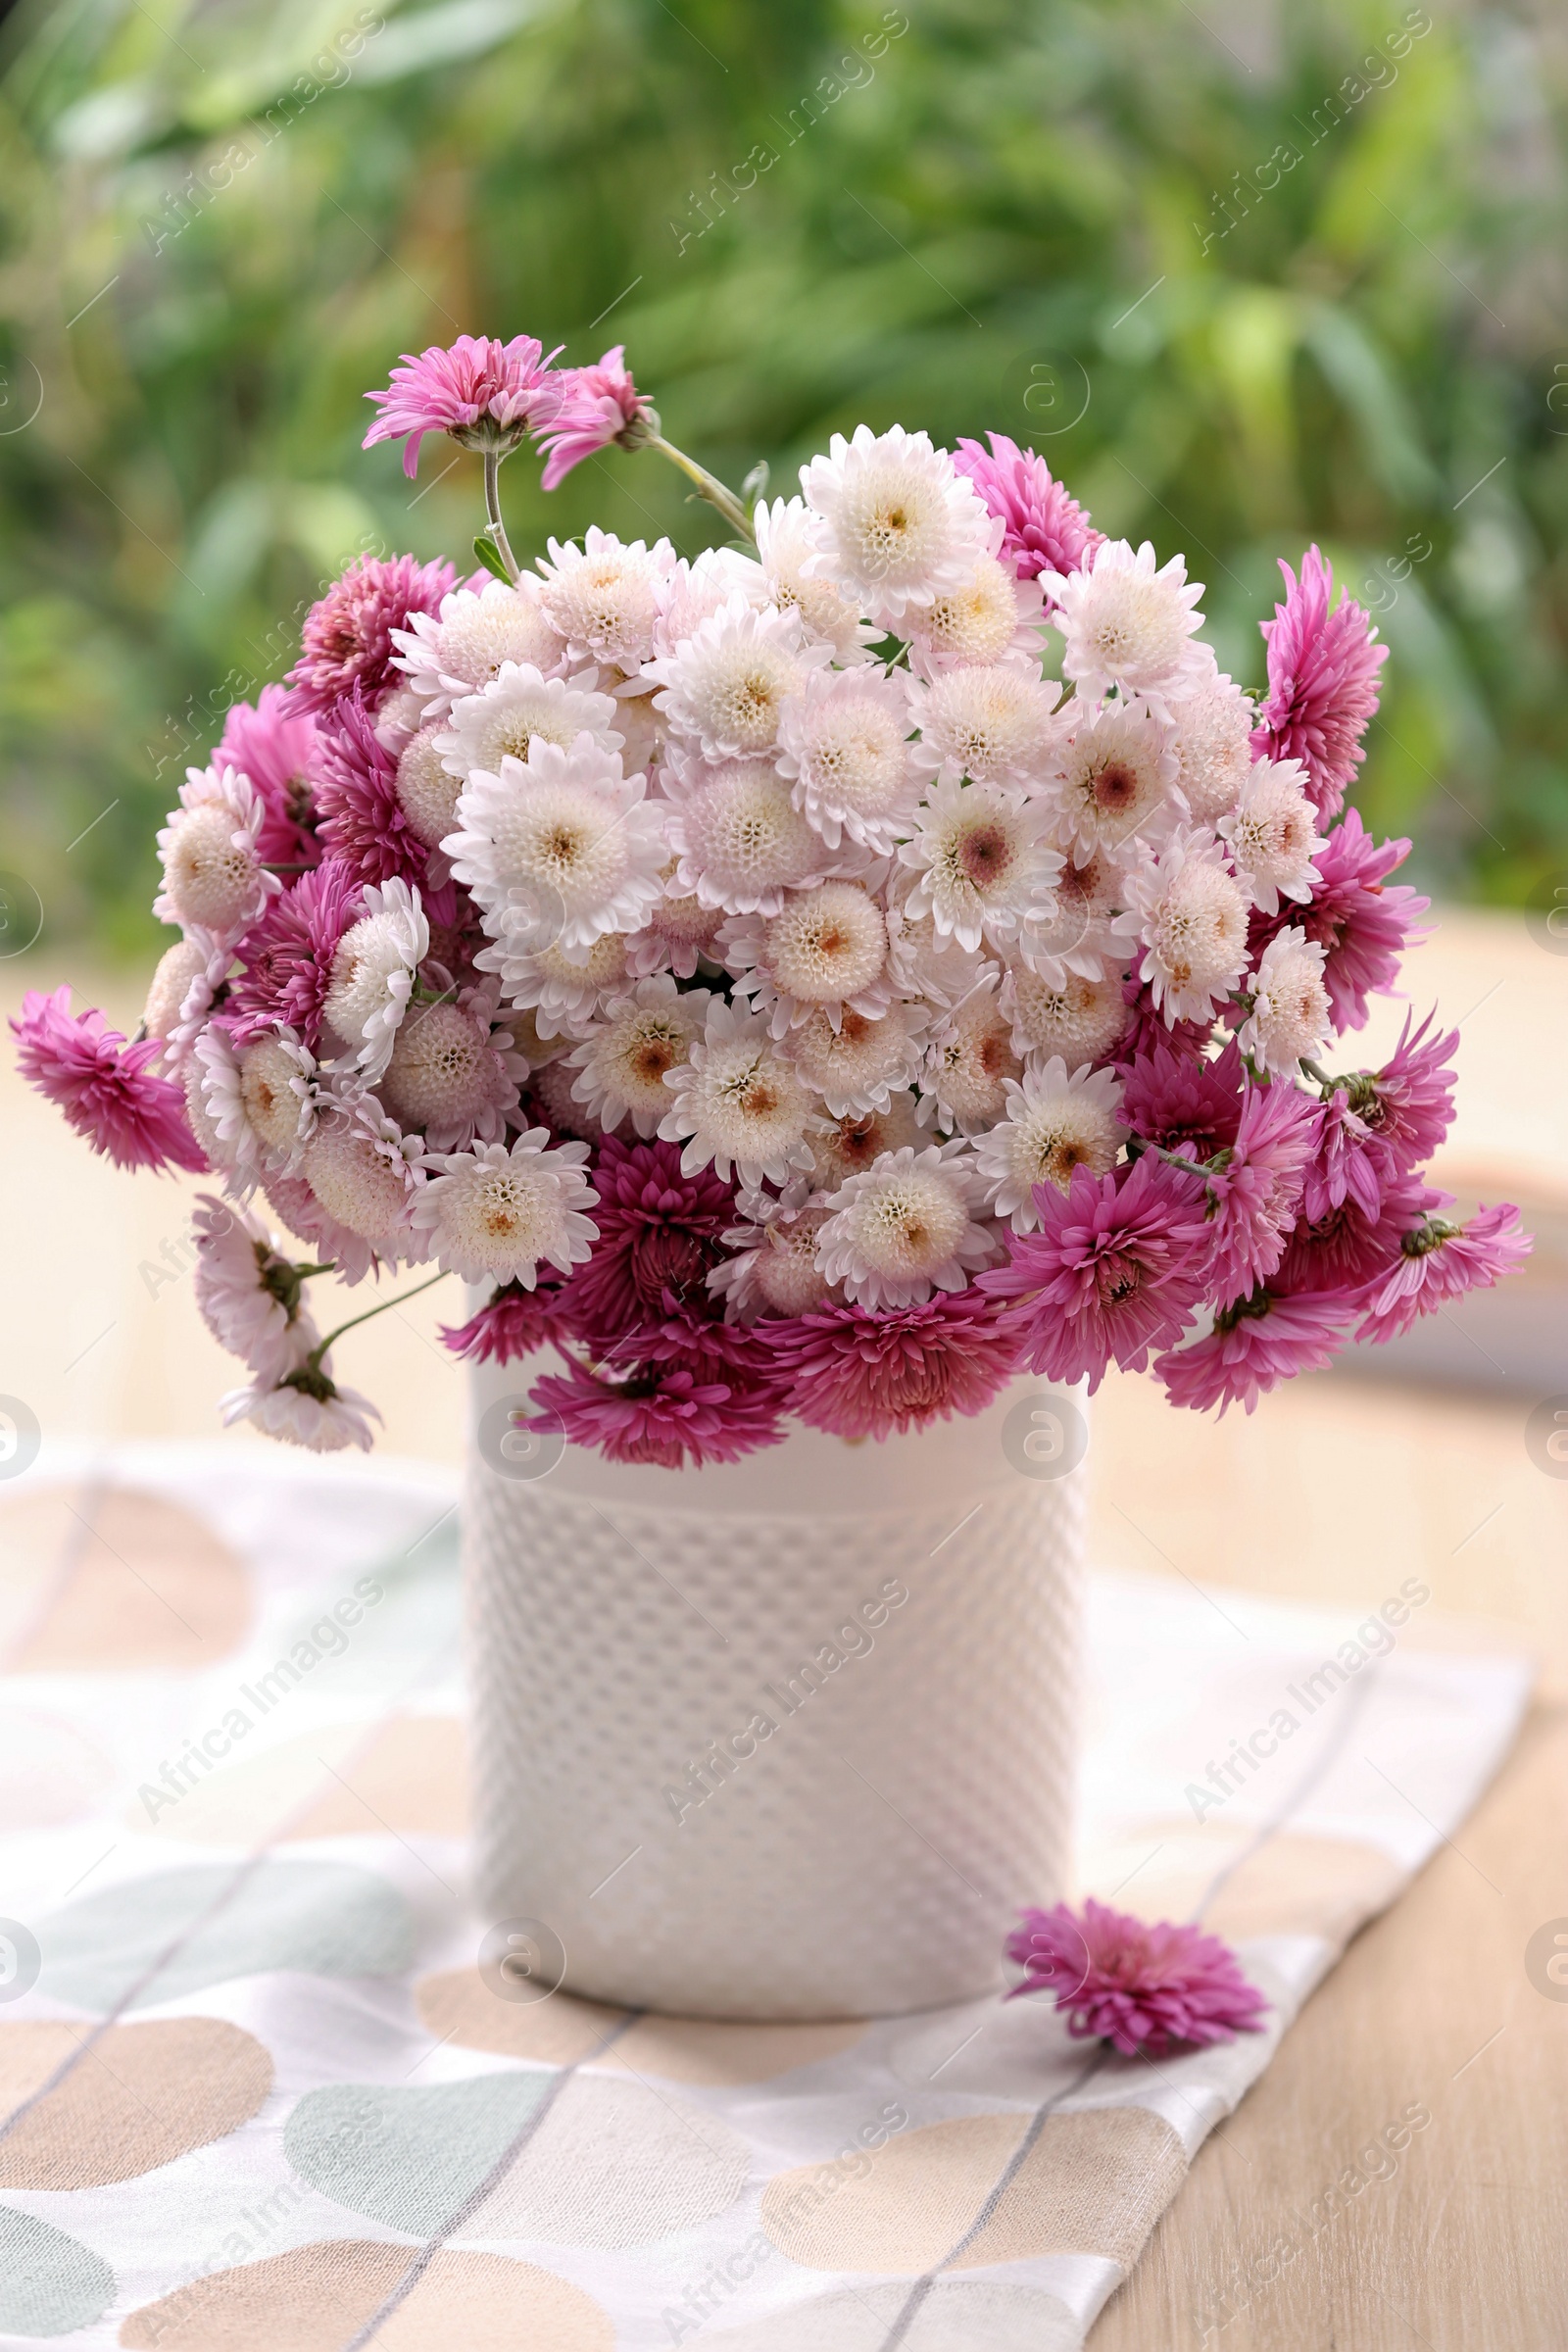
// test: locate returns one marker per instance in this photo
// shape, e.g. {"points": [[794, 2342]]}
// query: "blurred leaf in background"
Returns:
{"points": [[1246, 274]]}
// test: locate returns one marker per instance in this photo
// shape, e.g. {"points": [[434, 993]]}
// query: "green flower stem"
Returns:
{"points": [[707, 484], [492, 508], [313, 1359]]}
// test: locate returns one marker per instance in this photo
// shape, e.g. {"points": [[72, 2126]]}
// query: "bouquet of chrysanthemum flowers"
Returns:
{"points": [[766, 980]]}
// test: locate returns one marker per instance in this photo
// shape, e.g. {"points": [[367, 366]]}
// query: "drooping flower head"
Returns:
{"points": [[1322, 682], [1144, 1988], [1043, 528], [348, 640], [249, 1293], [594, 407], [485, 393], [861, 1375], [301, 1403], [1440, 1259], [107, 1089], [1257, 1342]]}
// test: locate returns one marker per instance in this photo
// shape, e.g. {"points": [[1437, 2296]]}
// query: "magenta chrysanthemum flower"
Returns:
{"points": [[1439, 1260], [1348, 1248], [665, 1413], [1142, 1988], [1322, 682], [287, 955], [485, 393], [1043, 528], [861, 1375], [274, 744], [1148, 1026], [1257, 1342], [597, 405], [105, 1087], [1257, 1191], [660, 1234], [1181, 1103], [1379, 1125], [1365, 923], [347, 637], [1114, 1271], [514, 1322], [361, 819]]}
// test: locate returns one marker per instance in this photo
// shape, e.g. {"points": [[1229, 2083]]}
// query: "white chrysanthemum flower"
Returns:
{"points": [[725, 685], [1126, 622], [925, 963], [844, 744], [995, 616], [788, 535], [212, 870], [740, 840], [1113, 777], [453, 653], [248, 1293], [365, 1172], [624, 1061], [560, 847], [900, 523], [179, 1000], [983, 863], [192, 1080], [519, 704], [301, 1403], [1272, 834], [826, 949], [856, 1141], [1054, 1122], [774, 1269], [427, 790], [1081, 935], [604, 597], [494, 1212], [739, 1101], [374, 972], [1292, 1019], [1189, 913], [1211, 737], [695, 591], [401, 714], [261, 1100], [1080, 1021], [454, 1074], [968, 1064], [992, 723], [857, 1063], [562, 992], [906, 1228], [680, 932]]}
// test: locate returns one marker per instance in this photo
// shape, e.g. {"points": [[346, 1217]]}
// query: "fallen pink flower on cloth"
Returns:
{"points": [[1146, 1987]]}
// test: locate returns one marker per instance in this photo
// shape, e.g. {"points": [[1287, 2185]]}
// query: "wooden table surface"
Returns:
{"points": [[1333, 1491]]}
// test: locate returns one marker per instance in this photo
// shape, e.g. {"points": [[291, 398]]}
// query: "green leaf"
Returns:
{"points": [[489, 555]]}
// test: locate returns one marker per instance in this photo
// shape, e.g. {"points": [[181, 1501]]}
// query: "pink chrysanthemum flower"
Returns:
{"points": [[302, 1404], [1255, 1192], [1378, 1126], [1180, 1102], [287, 955], [595, 407], [1322, 682], [660, 1236], [1441, 1261], [1257, 1342], [1043, 528], [1364, 923], [514, 1322], [347, 637], [861, 1375], [274, 744], [664, 1413], [1145, 1988], [1112, 1273], [249, 1295], [363, 819], [106, 1088], [485, 393], [1147, 1027], [1350, 1247]]}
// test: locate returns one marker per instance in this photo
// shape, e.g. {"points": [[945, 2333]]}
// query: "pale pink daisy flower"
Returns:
{"points": [[863, 1375], [739, 1102], [365, 1174], [183, 986], [983, 863], [485, 393], [1128, 623], [969, 1062], [1322, 682], [107, 1089], [561, 991], [926, 963], [1272, 835], [1043, 528], [826, 951], [1081, 1020], [249, 1295], [774, 1269], [501, 720], [1439, 1261], [788, 536], [1290, 1020], [843, 742], [454, 1073], [679, 933], [605, 596], [992, 723], [855, 1141], [373, 971], [347, 640], [596, 407], [558, 848], [212, 870], [909, 1225], [1056, 1121], [1210, 735], [698, 591], [1146, 1989], [261, 1098], [496, 1212], [725, 685], [857, 1063], [638, 1038], [995, 616], [739, 839], [426, 791], [301, 1403], [1081, 935], [464, 648], [900, 523], [1112, 776], [1188, 912]]}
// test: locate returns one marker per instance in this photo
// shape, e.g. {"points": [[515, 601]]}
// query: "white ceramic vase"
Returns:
{"points": [[786, 1738]]}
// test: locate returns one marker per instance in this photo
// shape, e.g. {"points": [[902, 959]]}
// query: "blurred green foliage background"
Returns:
{"points": [[1246, 273]]}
